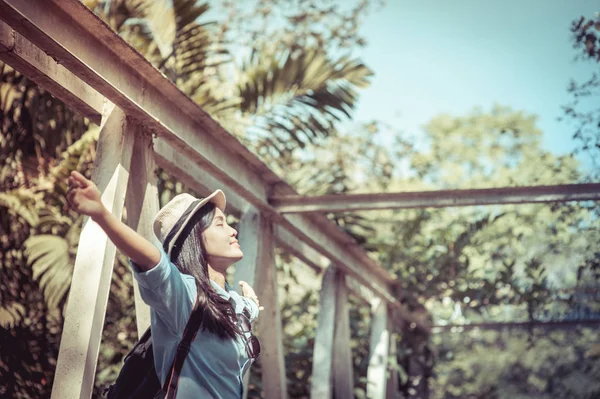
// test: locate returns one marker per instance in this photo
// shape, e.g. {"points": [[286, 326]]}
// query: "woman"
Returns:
{"points": [[198, 247]]}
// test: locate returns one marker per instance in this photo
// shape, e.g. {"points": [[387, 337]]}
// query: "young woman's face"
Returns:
{"points": [[220, 241]]}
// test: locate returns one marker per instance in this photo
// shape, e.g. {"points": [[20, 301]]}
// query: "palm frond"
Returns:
{"points": [[194, 48], [24, 203], [11, 315], [48, 255], [197, 53], [298, 95], [160, 17], [73, 156]]}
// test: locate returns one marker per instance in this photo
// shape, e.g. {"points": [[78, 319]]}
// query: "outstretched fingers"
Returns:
{"points": [[75, 182], [79, 179]]}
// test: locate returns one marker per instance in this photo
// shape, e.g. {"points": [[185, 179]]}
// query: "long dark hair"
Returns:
{"points": [[190, 257]]}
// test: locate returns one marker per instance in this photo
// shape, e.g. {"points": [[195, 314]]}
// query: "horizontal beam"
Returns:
{"points": [[436, 199], [26, 58], [520, 324], [86, 46]]}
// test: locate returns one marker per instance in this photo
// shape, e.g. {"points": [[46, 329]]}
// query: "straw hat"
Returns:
{"points": [[172, 219]]}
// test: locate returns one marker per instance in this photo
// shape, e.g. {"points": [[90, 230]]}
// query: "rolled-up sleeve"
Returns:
{"points": [[168, 292]]}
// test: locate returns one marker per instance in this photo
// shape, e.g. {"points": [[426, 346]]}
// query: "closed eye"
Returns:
{"points": [[220, 221]]}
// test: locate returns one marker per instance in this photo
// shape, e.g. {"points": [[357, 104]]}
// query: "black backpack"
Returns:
{"points": [[137, 378]]}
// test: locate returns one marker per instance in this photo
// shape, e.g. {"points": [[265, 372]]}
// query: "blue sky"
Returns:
{"points": [[433, 56]]}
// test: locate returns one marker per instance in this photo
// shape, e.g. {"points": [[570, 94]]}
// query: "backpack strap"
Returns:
{"points": [[191, 329]]}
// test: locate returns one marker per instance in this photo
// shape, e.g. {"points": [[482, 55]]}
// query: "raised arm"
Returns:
{"points": [[84, 197]]}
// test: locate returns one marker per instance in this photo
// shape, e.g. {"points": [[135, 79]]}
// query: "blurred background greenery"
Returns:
{"points": [[284, 77]]}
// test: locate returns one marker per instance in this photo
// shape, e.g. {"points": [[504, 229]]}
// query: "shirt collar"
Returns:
{"points": [[236, 302], [223, 293]]}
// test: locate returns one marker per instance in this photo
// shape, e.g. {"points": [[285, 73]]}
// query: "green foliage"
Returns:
{"points": [[295, 97], [21, 203], [293, 24], [481, 263], [508, 364], [463, 264], [585, 38], [48, 256], [11, 314], [582, 110]]}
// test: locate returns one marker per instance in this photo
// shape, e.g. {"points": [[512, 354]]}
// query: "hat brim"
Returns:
{"points": [[217, 198]]}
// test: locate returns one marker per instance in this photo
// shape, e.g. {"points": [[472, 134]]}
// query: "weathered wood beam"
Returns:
{"points": [[257, 268], [69, 31], [322, 373], [343, 370], [392, 386], [344, 250], [26, 58], [518, 324], [332, 372], [141, 204], [436, 199], [88, 296], [362, 292], [378, 352]]}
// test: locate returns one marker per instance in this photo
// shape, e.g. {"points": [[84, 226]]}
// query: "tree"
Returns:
{"points": [[486, 263], [544, 363], [582, 110], [292, 24], [522, 262], [515, 262]]}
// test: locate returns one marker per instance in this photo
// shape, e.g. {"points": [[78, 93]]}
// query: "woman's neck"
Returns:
{"points": [[216, 276]]}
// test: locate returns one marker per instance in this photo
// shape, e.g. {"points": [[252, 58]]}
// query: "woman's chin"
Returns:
{"points": [[226, 259]]}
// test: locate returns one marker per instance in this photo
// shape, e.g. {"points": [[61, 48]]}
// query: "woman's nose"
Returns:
{"points": [[234, 232]]}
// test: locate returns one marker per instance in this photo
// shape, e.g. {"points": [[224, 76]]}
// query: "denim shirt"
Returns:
{"points": [[214, 367]]}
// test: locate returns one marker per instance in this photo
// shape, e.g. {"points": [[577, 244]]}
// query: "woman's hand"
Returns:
{"points": [[249, 293], [83, 196]]}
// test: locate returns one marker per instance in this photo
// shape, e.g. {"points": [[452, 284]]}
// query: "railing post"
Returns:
{"points": [[392, 388], [343, 378], [142, 205], [86, 306], [379, 351], [322, 376], [332, 371], [257, 268]]}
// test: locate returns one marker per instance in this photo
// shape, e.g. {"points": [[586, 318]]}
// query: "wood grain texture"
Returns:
{"points": [[88, 296]]}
